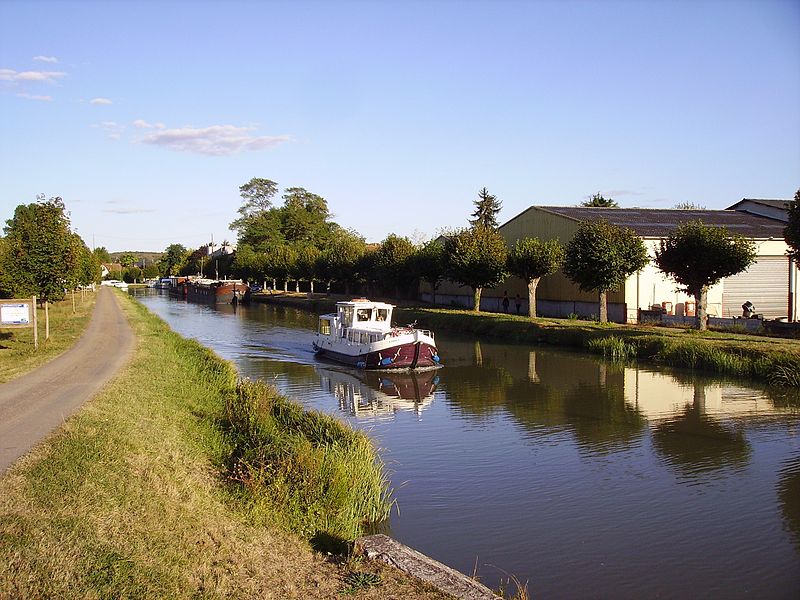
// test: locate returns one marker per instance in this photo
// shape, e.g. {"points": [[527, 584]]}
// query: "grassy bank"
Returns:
{"points": [[17, 355], [772, 360], [175, 482]]}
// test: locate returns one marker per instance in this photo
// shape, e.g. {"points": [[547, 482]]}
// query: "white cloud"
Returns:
{"points": [[113, 129], [100, 101], [47, 59], [142, 124], [43, 76], [216, 140], [32, 97]]}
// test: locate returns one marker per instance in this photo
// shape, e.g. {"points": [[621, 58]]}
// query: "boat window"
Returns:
{"points": [[382, 314], [364, 314], [347, 313], [364, 338], [324, 327]]}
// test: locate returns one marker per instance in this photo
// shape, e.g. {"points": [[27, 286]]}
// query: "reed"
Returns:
{"points": [[304, 469], [613, 348]]}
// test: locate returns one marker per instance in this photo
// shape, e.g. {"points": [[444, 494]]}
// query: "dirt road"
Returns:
{"points": [[35, 404]]}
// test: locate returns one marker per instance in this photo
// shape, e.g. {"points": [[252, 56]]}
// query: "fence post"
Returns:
{"points": [[35, 326]]}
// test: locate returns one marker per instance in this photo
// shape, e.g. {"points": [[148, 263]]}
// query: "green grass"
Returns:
{"points": [[17, 354], [136, 496]]}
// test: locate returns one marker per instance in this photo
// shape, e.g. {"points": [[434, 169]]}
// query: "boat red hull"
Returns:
{"points": [[417, 355]]}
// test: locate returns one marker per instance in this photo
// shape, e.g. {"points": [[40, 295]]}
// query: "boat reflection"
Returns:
{"points": [[380, 394]]}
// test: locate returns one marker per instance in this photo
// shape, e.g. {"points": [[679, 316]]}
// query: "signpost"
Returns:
{"points": [[16, 314]]}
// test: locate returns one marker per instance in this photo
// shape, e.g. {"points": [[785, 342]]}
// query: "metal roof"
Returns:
{"points": [[660, 222]]}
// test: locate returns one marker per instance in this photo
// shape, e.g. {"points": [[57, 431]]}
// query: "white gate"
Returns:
{"points": [[765, 284]]}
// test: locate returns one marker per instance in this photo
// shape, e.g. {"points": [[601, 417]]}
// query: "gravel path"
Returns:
{"points": [[35, 404]]}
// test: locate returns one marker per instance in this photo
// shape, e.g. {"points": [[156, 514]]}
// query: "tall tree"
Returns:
{"points": [[257, 197], [698, 256], [429, 264], [41, 256], [476, 257], [601, 256], [599, 201], [531, 259], [393, 264], [792, 232], [173, 259], [340, 258], [127, 259], [486, 209], [102, 254]]}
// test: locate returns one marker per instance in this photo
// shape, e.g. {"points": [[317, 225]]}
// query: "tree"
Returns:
{"points": [[476, 257], [102, 254], [598, 201], [688, 206], [127, 259], [601, 256], [41, 256], [307, 264], [257, 195], [698, 256], [340, 258], [792, 232], [486, 209], [429, 264], [173, 259], [531, 259], [393, 262]]}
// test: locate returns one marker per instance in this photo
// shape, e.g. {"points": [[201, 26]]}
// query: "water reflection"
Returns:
{"points": [[374, 394], [789, 496]]}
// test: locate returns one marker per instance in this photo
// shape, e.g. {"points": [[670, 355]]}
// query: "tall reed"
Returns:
{"points": [[304, 469]]}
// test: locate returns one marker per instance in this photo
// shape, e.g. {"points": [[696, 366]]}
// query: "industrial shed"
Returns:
{"points": [[769, 283]]}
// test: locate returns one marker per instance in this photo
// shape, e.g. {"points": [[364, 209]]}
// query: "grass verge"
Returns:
{"points": [[138, 496], [17, 355]]}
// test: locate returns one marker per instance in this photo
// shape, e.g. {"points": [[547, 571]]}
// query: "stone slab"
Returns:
{"points": [[385, 549]]}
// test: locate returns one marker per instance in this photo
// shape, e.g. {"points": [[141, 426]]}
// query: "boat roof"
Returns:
{"points": [[364, 303]]}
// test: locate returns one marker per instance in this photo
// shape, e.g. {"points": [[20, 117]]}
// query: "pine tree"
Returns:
{"points": [[486, 209]]}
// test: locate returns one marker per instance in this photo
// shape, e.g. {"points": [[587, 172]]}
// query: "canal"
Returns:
{"points": [[583, 478]]}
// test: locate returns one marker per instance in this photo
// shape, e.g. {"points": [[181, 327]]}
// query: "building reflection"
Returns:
{"points": [[380, 394]]}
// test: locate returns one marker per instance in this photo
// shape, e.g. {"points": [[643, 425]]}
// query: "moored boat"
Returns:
{"points": [[360, 334], [217, 291]]}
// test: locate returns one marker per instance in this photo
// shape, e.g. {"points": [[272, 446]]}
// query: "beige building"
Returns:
{"points": [[770, 283]]}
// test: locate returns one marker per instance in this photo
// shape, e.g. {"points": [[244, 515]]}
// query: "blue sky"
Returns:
{"points": [[146, 117]]}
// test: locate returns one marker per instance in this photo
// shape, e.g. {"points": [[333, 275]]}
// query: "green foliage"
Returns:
{"points": [[41, 256], [257, 197], [429, 263], [598, 201], [127, 259], [688, 206], [339, 260], [486, 209], [360, 580], [696, 255], [102, 254], [532, 258], [601, 256], [173, 259], [393, 263], [612, 347], [792, 232], [476, 258]]}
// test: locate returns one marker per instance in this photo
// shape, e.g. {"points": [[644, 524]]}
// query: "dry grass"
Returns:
{"points": [[17, 355], [127, 499]]}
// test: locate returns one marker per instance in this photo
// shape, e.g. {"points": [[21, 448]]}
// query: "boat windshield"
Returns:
{"points": [[382, 314], [364, 314]]}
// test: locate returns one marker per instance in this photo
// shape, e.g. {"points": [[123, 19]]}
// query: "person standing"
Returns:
{"points": [[505, 302], [518, 302]]}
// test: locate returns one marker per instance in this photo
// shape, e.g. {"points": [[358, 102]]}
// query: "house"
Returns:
{"points": [[106, 268], [770, 283]]}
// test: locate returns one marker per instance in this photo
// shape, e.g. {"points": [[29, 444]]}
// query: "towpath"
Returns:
{"points": [[35, 404]]}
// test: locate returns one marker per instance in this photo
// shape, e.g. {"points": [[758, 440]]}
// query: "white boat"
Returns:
{"points": [[360, 334], [115, 283]]}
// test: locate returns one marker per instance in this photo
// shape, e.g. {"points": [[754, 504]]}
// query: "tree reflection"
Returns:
{"points": [[694, 443], [789, 497]]}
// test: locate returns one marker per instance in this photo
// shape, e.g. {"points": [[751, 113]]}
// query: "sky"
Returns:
{"points": [[146, 117]]}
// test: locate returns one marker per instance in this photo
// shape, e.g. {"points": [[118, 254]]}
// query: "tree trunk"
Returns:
{"points": [[532, 296], [297, 286], [603, 306], [701, 300], [476, 299], [311, 286], [285, 285], [433, 293]]}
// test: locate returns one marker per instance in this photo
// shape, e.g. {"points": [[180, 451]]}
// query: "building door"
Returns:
{"points": [[765, 284]]}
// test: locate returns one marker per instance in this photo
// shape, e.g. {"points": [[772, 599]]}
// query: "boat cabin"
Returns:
{"points": [[359, 315]]}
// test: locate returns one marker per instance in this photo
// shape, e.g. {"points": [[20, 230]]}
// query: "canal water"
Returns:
{"points": [[582, 478]]}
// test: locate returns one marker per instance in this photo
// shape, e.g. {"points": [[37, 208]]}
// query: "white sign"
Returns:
{"points": [[15, 314]]}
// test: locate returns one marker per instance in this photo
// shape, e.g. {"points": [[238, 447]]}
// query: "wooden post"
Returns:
{"points": [[46, 322], [35, 326], [73, 301]]}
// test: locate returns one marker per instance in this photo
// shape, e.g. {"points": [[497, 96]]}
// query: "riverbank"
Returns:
{"points": [[17, 354], [772, 360], [155, 489]]}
